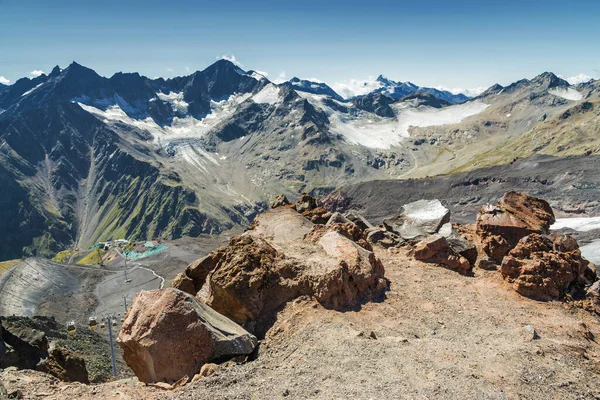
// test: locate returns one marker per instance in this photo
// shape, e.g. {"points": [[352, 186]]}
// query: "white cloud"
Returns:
{"points": [[581, 78], [471, 92], [187, 69], [3, 80], [231, 58], [170, 70], [355, 87], [280, 78], [35, 73]]}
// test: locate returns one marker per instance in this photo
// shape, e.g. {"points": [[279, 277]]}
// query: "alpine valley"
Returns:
{"points": [[84, 158]]}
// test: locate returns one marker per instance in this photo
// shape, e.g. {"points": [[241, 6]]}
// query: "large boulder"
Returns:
{"points": [[436, 249], [285, 256], [168, 334], [538, 269], [419, 219], [515, 216]]}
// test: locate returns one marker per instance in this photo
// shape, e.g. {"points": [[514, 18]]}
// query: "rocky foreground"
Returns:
{"points": [[313, 304]]}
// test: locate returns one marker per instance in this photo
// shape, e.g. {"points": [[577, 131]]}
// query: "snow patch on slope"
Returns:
{"points": [[591, 251], [31, 90], [268, 95], [582, 224], [181, 128], [257, 76], [196, 156], [566, 93], [384, 133], [176, 100], [370, 130]]}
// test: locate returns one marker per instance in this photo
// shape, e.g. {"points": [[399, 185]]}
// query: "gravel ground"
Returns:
{"points": [[437, 335]]}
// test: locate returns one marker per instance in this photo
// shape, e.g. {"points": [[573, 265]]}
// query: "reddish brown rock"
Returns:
{"points": [[245, 284], [436, 249], [305, 203], [540, 272], [317, 215], [194, 276], [168, 334], [516, 215], [182, 282], [347, 229], [535, 213], [284, 257]]}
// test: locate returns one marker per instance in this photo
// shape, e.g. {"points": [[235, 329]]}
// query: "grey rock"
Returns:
{"points": [[358, 220], [337, 218], [463, 247], [486, 263], [419, 219], [383, 237], [280, 201], [529, 333]]}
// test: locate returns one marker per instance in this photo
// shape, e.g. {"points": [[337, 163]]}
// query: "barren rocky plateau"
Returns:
{"points": [[435, 334]]}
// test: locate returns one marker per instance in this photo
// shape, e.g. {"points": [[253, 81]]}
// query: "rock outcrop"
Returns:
{"points": [[194, 276], [280, 201], [168, 334], [284, 256], [26, 348], [22, 347], [64, 365], [436, 249], [419, 219], [305, 203], [383, 237], [538, 267], [515, 216]]}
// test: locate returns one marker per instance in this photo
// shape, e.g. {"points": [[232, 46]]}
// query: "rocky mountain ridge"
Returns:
{"points": [[87, 158]]}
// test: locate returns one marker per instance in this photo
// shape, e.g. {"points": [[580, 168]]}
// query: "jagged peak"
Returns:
{"points": [[550, 79], [55, 72], [383, 79], [79, 71], [494, 89], [223, 65]]}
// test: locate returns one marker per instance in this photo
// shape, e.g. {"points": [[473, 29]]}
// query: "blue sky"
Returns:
{"points": [[455, 44]]}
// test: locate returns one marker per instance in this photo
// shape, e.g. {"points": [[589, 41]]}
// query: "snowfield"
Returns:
{"points": [[568, 93], [181, 128], [582, 224], [268, 95], [591, 251], [376, 132], [385, 133], [176, 100]]}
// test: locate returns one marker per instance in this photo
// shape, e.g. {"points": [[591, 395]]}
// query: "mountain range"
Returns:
{"points": [[85, 158]]}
